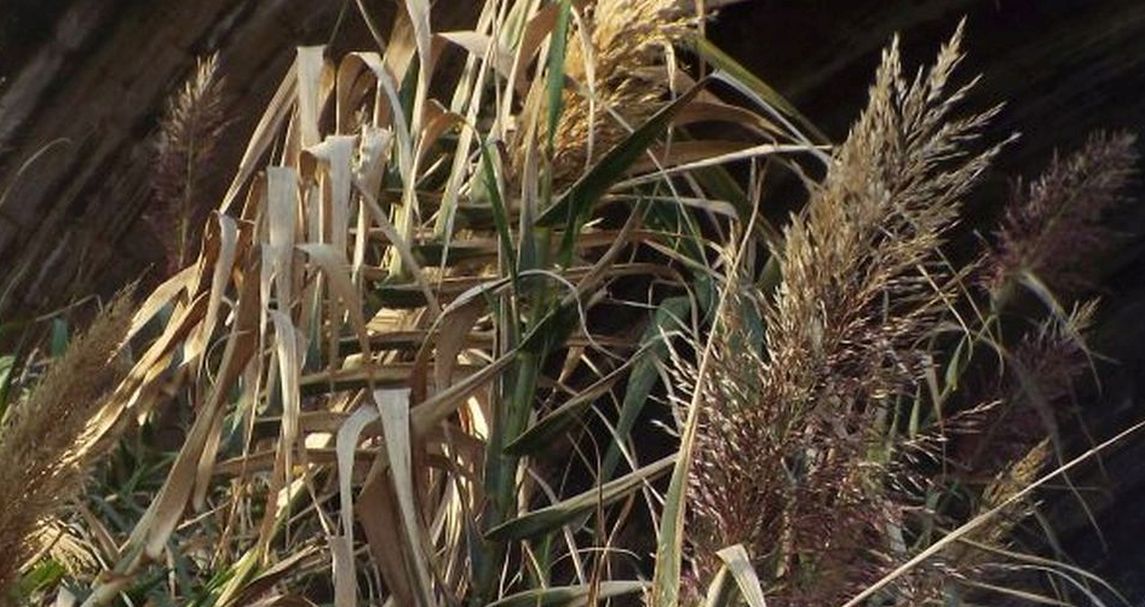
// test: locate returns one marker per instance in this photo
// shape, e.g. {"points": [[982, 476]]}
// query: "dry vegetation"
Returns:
{"points": [[425, 341]]}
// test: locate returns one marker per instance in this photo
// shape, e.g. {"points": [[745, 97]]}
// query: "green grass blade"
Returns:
{"points": [[541, 434], [7, 364], [500, 215], [544, 520], [644, 375], [60, 337], [574, 206], [556, 73], [550, 428], [720, 60], [569, 596]]}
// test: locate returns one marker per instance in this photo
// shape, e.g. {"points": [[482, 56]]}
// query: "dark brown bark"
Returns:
{"points": [[81, 110]]}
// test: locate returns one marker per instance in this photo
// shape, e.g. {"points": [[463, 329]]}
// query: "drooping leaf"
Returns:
{"points": [[738, 562], [644, 375], [545, 520], [739, 74], [574, 206]]}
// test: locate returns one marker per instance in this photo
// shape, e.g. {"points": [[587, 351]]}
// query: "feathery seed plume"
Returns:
{"points": [[785, 450], [622, 73], [1053, 226], [189, 134], [42, 440]]}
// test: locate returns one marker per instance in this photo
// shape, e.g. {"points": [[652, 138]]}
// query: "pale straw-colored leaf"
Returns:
{"points": [[570, 596], [739, 564], [394, 411], [481, 46], [227, 245], [313, 74], [345, 580], [264, 135]]}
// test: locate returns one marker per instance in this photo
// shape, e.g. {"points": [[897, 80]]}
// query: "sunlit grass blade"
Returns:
{"points": [[574, 205], [547, 519], [569, 596], [712, 54], [739, 564]]}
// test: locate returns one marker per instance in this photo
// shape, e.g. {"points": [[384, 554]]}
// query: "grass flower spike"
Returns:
{"points": [[785, 452]]}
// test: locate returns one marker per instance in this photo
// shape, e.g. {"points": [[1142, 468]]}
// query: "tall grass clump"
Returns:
{"points": [[1054, 226], [47, 445], [425, 337], [821, 448], [785, 446]]}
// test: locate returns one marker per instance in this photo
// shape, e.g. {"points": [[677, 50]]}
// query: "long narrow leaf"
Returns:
{"points": [[569, 596], [577, 202], [545, 520]]}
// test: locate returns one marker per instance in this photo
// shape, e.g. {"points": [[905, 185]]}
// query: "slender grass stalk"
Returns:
{"points": [[189, 134]]}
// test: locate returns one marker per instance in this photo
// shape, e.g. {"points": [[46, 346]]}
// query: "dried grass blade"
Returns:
{"points": [[570, 596], [264, 135], [314, 83], [689, 152], [289, 367], [227, 237], [344, 571], [162, 296], [401, 245], [394, 411], [739, 564], [544, 520], [342, 544], [336, 154], [481, 46], [139, 383], [756, 151], [282, 217], [150, 534], [333, 264], [423, 36]]}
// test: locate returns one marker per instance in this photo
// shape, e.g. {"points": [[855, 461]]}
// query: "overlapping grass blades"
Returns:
{"points": [[285, 320], [407, 365]]}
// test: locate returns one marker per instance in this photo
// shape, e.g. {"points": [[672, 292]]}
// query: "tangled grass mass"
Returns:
{"points": [[538, 336]]}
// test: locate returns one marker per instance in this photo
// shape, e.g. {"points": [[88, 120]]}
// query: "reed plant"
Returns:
{"points": [[426, 339], [52, 436]]}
